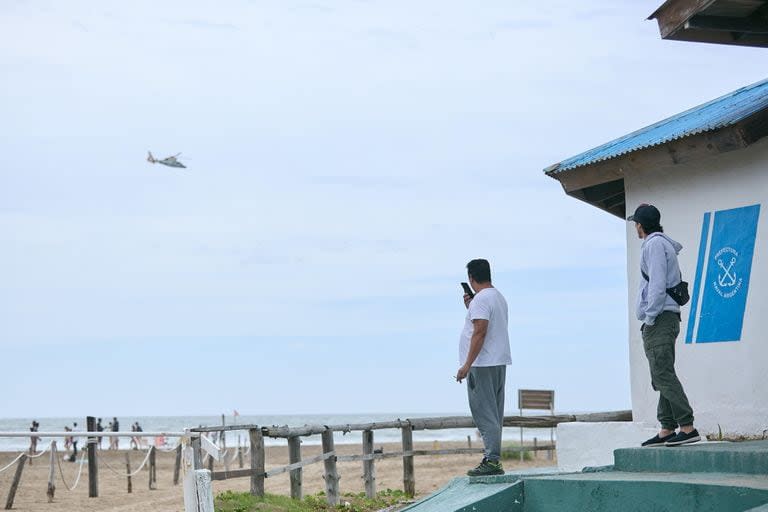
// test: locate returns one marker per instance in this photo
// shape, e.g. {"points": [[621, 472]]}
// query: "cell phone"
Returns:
{"points": [[468, 290]]}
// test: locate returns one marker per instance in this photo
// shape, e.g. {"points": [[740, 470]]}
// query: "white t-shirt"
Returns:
{"points": [[488, 304]]}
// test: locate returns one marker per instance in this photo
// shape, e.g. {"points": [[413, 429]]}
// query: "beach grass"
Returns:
{"points": [[230, 501], [510, 451]]}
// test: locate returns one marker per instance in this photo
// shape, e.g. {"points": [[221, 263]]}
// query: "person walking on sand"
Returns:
{"points": [[99, 428], [484, 354], [75, 440], [660, 314], [114, 442], [67, 439], [33, 439]]}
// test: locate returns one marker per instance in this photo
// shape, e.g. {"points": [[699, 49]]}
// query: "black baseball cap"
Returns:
{"points": [[646, 215]]}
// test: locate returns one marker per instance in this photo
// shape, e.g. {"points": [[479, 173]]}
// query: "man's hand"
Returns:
{"points": [[462, 373], [467, 300]]}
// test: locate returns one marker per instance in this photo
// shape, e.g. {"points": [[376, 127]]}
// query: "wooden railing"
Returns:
{"points": [[258, 473]]}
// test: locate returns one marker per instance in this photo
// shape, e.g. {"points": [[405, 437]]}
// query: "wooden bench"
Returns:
{"points": [[540, 399]]}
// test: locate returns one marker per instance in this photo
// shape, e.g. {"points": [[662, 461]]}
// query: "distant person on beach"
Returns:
{"points": [[136, 440], [139, 439], [67, 439], [99, 428], [484, 354], [660, 315], [33, 439], [114, 442], [73, 457]]}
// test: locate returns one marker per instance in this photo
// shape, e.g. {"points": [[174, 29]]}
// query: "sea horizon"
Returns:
{"points": [[181, 422]]}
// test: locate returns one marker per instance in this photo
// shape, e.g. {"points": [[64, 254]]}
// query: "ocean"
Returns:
{"points": [[179, 423]]}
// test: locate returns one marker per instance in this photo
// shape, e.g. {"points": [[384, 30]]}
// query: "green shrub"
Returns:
{"points": [[509, 452], [229, 501]]}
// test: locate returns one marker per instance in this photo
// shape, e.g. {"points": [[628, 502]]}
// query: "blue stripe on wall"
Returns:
{"points": [[726, 283], [697, 282]]}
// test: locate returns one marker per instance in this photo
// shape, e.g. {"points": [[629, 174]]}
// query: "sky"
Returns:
{"points": [[345, 160]]}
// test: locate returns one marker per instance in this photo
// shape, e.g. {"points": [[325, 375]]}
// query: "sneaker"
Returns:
{"points": [[487, 468], [658, 441], [683, 438]]}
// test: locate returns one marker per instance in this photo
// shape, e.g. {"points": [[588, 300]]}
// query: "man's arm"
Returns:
{"points": [[656, 295], [480, 329]]}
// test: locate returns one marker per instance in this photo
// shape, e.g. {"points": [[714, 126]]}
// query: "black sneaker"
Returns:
{"points": [[658, 441], [487, 468], [683, 438]]}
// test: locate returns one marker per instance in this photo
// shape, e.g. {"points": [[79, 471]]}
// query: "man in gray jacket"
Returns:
{"points": [[660, 315]]}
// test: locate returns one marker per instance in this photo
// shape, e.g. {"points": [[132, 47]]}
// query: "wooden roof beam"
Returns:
{"points": [[726, 24], [673, 15]]}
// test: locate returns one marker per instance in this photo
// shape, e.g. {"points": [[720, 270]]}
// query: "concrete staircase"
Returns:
{"points": [[708, 477]]}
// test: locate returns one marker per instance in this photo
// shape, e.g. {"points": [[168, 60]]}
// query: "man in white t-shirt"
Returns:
{"points": [[484, 354]]}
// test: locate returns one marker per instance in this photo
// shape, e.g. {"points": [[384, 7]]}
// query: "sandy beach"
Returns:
{"points": [[432, 472]]}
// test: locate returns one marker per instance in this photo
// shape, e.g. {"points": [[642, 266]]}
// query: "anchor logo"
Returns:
{"points": [[726, 279], [728, 283]]}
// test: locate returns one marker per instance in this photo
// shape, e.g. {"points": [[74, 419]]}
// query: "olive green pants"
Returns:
{"points": [[659, 343]]}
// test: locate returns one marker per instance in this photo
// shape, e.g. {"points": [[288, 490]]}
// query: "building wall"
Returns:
{"points": [[727, 381]]}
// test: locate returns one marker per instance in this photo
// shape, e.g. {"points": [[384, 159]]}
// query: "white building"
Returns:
{"points": [[706, 170]]}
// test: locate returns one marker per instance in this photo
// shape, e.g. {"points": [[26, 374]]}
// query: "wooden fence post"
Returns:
{"points": [[257, 462], [52, 474], [15, 484], [551, 451], [294, 455], [210, 463], [128, 470], [93, 467], [152, 469], [369, 470], [197, 457], [331, 476], [535, 445], [177, 465], [409, 477], [240, 454]]}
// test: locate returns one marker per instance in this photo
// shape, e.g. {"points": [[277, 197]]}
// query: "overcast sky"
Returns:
{"points": [[345, 160]]}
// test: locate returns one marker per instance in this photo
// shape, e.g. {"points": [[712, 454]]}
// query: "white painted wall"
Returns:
{"points": [[727, 382]]}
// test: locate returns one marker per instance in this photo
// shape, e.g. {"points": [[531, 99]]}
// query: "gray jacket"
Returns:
{"points": [[659, 262]]}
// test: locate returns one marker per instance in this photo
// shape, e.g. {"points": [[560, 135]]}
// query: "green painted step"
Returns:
{"points": [[750, 457], [642, 492], [462, 496]]}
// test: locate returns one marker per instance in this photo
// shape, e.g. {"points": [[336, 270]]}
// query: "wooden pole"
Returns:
{"points": [[409, 477], [152, 469], [128, 470], [210, 463], [177, 465], [551, 452], [469, 442], [535, 446], [240, 455], [15, 484], [197, 457], [52, 474], [93, 467], [294, 455], [369, 470], [222, 434], [257, 462], [331, 476]]}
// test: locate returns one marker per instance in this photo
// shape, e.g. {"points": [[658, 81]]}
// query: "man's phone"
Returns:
{"points": [[468, 290]]}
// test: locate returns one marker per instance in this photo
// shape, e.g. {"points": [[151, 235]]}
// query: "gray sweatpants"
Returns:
{"points": [[485, 388]]}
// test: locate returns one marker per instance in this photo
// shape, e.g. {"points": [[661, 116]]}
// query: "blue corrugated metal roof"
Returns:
{"points": [[719, 113]]}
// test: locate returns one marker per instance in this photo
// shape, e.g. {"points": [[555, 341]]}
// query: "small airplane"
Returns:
{"points": [[169, 161]]}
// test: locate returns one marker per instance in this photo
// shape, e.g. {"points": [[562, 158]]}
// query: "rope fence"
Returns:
{"points": [[192, 444]]}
